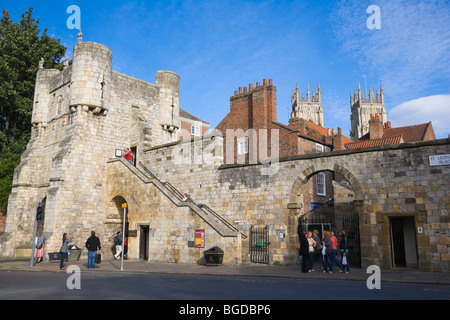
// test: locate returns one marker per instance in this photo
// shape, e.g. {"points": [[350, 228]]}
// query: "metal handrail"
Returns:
{"points": [[174, 190], [177, 193], [218, 216]]}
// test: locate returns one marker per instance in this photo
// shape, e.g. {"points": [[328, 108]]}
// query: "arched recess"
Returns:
{"points": [[295, 205], [114, 218]]}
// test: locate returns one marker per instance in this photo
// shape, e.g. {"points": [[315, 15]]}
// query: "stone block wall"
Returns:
{"points": [[386, 181], [81, 115]]}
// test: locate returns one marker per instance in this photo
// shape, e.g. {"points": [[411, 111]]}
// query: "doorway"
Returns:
{"points": [[321, 227], [403, 242], [133, 151], [143, 242]]}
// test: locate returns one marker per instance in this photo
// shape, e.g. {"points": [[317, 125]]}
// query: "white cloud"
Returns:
{"points": [[432, 108]]}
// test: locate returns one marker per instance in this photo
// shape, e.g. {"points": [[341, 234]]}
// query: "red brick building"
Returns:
{"points": [[251, 124], [381, 135], [190, 126]]}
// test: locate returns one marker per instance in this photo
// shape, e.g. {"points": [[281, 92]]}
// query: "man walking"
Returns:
{"points": [[118, 243], [92, 244]]}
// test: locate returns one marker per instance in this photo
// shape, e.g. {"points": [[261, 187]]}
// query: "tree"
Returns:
{"points": [[22, 45]]}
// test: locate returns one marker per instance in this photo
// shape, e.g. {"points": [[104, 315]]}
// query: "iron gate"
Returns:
{"points": [[259, 244], [350, 223]]}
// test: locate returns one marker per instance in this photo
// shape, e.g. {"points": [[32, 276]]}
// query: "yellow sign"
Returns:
{"points": [[124, 205]]}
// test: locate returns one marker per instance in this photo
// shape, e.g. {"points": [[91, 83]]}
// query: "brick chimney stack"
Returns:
{"points": [[338, 140], [375, 127]]}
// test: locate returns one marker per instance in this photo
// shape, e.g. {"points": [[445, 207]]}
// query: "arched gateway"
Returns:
{"points": [[332, 215]]}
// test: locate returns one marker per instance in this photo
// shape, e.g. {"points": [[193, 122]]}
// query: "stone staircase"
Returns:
{"points": [[212, 218]]}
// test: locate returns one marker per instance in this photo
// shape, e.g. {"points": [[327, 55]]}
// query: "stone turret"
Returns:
{"points": [[169, 88], [91, 77]]}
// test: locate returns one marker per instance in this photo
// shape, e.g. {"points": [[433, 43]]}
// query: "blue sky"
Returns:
{"points": [[217, 46]]}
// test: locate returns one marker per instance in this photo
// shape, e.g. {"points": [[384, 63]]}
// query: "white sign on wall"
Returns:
{"points": [[439, 160]]}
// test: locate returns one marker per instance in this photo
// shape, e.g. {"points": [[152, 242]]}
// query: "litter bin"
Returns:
{"points": [[213, 256], [54, 256], [74, 253]]}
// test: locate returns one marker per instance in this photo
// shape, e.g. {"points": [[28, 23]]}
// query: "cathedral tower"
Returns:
{"points": [[363, 108], [310, 108]]}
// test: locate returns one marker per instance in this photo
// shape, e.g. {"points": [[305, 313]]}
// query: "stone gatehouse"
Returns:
{"points": [[85, 113]]}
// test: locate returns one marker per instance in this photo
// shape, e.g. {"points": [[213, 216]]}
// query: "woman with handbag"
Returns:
{"points": [[328, 246]]}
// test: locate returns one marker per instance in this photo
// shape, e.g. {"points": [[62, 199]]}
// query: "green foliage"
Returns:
{"points": [[22, 45]]}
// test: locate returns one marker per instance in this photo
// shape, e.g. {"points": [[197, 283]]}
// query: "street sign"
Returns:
{"points": [[439, 160]]}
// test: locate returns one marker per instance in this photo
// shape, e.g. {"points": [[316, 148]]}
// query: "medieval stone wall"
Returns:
{"points": [[387, 181]]}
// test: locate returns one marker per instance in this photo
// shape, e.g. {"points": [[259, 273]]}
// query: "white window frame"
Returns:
{"points": [[321, 188], [195, 130], [319, 148], [242, 146]]}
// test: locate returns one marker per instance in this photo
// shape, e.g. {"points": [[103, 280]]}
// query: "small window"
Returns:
{"points": [[242, 146], [195, 130], [327, 149], [319, 148], [320, 182]]}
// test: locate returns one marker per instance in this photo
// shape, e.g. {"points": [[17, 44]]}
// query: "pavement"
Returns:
{"points": [[244, 270]]}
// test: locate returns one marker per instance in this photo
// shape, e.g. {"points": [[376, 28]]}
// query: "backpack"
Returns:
{"points": [[117, 240]]}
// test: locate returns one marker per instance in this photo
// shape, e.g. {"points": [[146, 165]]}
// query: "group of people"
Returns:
{"points": [[92, 245], [326, 249]]}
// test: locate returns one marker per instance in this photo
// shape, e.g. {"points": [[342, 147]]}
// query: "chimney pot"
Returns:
{"points": [[245, 89], [235, 92], [270, 82], [250, 87], [339, 130], [257, 84], [265, 82], [240, 90]]}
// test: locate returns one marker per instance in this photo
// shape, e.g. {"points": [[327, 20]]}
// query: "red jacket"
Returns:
{"points": [[334, 242], [127, 155]]}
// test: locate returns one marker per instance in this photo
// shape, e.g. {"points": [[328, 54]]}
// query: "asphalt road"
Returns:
{"points": [[32, 285]]}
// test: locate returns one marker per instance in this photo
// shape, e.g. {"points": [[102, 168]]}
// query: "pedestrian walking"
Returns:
{"points": [[93, 245], [333, 256], [118, 244], [343, 248], [40, 247], [64, 249]]}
